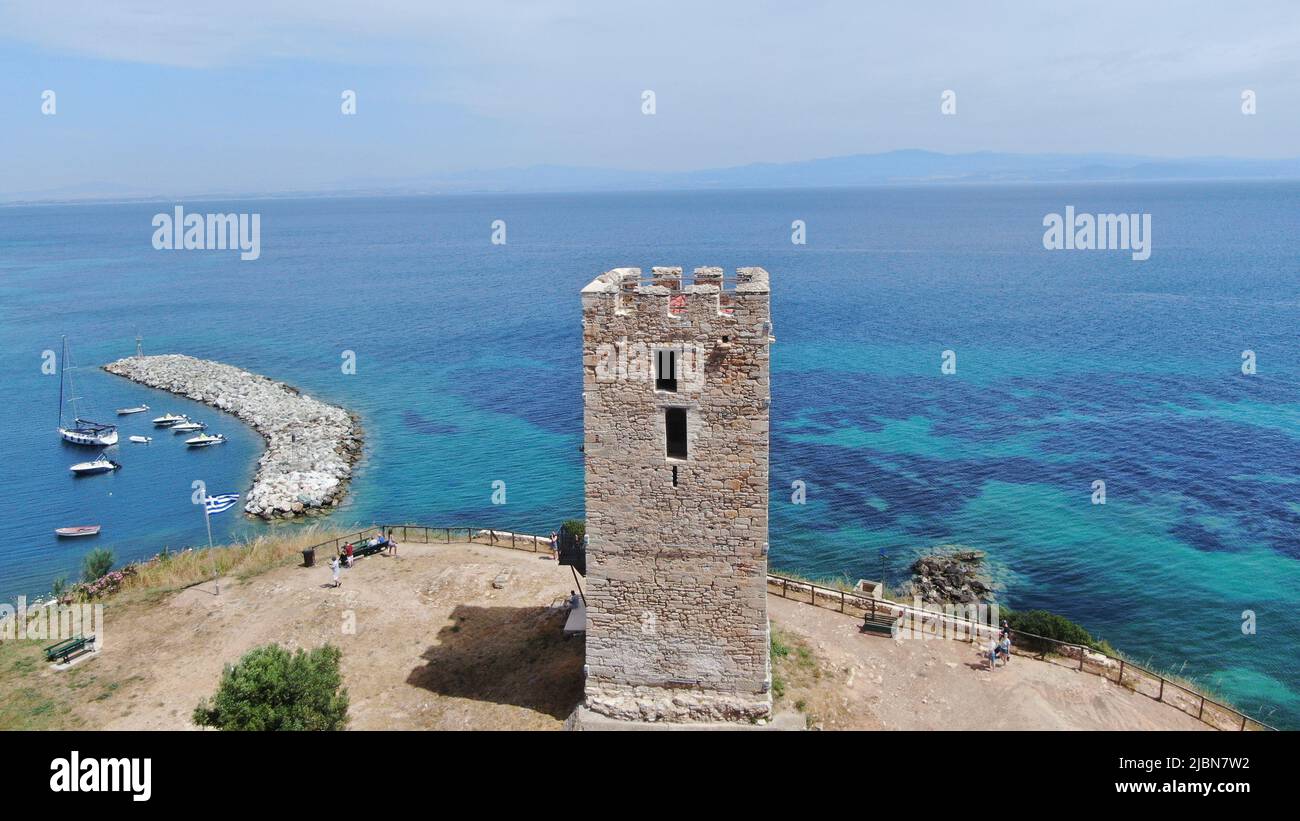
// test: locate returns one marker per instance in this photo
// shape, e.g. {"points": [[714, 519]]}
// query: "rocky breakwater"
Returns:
{"points": [[310, 446]]}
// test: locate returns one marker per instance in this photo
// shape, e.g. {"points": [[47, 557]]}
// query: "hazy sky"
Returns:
{"points": [[245, 94]]}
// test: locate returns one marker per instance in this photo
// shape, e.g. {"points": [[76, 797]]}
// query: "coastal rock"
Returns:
{"points": [[310, 446], [949, 576]]}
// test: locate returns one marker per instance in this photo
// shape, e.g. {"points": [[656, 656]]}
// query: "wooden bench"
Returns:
{"points": [[69, 647], [365, 548], [883, 623]]}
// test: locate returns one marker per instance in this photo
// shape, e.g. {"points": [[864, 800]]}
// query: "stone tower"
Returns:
{"points": [[676, 393]]}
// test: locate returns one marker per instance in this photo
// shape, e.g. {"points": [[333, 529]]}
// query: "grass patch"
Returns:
{"points": [[797, 676], [38, 698], [32, 699], [793, 663], [169, 572]]}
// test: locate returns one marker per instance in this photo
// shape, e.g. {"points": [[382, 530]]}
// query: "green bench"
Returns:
{"points": [[883, 623], [366, 547], [68, 648]]}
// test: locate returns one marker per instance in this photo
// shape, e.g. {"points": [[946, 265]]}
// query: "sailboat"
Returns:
{"points": [[82, 431]]}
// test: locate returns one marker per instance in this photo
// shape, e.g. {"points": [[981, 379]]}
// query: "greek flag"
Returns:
{"points": [[219, 504]]}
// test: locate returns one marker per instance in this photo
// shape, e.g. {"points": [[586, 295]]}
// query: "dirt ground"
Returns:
{"points": [[871, 682], [429, 643]]}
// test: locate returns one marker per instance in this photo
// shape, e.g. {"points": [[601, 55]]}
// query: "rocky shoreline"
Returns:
{"points": [[951, 575], [311, 446]]}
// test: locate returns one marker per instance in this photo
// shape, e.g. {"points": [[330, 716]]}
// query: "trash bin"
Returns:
{"points": [[309, 557]]}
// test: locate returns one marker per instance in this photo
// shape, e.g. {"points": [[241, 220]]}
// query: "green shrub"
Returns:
{"points": [[96, 564], [577, 527], [1049, 625], [779, 648], [271, 689]]}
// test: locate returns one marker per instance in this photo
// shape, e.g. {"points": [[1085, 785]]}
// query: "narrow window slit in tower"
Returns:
{"points": [[674, 476], [666, 370], [675, 432]]}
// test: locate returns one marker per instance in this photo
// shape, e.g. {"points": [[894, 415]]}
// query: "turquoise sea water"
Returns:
{"points": [[1071, 367]]}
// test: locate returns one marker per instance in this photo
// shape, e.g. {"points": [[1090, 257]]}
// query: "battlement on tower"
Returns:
{"points": [[710, 297]]}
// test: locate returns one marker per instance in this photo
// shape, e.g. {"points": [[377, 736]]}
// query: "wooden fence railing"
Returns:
{"points": [[422, 534], [1119, 670], [1126, 673]]}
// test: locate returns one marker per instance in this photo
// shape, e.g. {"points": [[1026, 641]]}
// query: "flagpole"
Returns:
{"points": [[207, 520]]}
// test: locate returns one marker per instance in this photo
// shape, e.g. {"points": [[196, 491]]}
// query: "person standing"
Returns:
{"points": [[334, 567], [392, 544], [348, 550], [555, 546]]}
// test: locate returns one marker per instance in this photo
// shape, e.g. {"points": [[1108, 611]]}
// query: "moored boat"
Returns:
{"points": [[79, 530], [169, 419], [141, 440], [81, 431], [188, 427], [137, 409], [205, 440], [90, 433], [100, 464]]}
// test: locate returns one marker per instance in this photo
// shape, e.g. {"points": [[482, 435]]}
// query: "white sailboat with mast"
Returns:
{"points": [[81, 431]]}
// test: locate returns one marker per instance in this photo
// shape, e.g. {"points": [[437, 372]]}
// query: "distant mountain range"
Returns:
{"points": [[907, 167]]}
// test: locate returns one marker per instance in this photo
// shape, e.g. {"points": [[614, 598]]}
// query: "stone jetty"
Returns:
{"points": [[310, 446]]}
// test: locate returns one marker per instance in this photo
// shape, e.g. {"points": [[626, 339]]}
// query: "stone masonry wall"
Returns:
{"points": [[676, 594]]}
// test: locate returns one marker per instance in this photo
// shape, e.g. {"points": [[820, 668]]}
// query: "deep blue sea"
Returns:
{"points": [[1072, 366]]}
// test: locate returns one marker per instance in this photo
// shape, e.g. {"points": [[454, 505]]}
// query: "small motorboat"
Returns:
{"points": [[205, 440], [137, 409], [188, 427], [80, 530], [141, 440], [100, 464], [169, 419]]}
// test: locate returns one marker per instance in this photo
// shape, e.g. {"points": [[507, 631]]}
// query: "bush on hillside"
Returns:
{"points": [[271, 689], [576, 527], [96, 564], [1049, 625]]}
